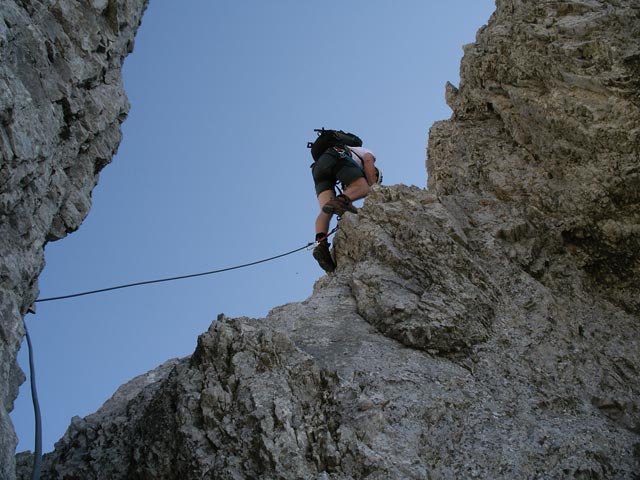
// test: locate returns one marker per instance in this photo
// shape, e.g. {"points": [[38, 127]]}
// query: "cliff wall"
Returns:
{"points": [[61, 106], [486, 327]]}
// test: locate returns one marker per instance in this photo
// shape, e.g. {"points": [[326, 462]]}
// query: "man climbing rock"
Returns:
{"points": [[354, 168]]}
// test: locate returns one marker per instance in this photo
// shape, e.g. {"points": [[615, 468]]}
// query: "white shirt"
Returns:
{"points": [[359, 155]]}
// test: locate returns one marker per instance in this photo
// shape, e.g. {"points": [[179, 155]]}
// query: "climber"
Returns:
{"points": [[354, 168]]}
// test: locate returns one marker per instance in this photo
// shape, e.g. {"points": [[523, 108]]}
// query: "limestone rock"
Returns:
{"points": [[61, 105], [484, 328], [416, 280], [546, 120]]}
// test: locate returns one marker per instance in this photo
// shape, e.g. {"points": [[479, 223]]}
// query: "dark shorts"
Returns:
{"points": [[330, 168]]}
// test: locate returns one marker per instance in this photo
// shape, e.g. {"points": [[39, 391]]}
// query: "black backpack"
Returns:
{"points": [[332, 138]]}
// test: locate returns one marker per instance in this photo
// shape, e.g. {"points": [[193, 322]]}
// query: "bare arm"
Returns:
{"points": [[369, 169]]}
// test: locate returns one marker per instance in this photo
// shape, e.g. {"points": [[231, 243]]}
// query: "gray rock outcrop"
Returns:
{"points": [[486, 327], [61, 106]]}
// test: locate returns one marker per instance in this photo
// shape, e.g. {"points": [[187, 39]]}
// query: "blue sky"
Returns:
{"points": [[213, 171]]}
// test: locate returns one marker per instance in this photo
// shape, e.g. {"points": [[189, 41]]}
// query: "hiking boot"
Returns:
{"points": [[339, 205], [323, 256]]}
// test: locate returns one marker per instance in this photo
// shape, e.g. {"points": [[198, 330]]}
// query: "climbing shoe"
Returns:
{"points": [[323, 256], [339, 205]]}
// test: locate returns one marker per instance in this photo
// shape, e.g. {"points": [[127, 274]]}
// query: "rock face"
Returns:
{"points": [[487, 327], [61, 105]]}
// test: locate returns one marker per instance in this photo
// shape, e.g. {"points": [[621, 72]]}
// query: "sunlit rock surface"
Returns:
{"points": [[487, 327]]}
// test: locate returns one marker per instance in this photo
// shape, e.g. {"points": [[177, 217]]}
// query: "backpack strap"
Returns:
{"points": [[356, 154]]}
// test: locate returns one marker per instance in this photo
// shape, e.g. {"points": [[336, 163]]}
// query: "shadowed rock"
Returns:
{"points": [[61, 106], [484, 328]]}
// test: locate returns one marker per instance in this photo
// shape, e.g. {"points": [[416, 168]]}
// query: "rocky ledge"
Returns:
{"points": [[486, 327]]}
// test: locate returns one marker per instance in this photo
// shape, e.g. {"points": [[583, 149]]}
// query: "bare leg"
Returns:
{"points": [[324, 219], [357, 189]]}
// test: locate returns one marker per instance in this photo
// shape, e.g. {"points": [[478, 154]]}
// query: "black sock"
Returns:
{"points": [[321, 237]]}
